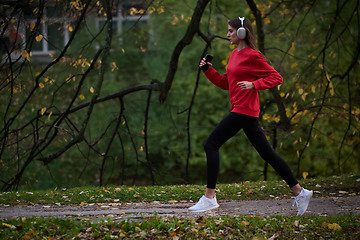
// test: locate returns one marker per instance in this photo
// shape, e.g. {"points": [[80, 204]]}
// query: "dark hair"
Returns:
{"points": [[250, 37]]}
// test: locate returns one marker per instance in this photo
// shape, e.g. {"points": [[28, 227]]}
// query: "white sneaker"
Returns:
{"points": [[302, 201], [204, 204]]}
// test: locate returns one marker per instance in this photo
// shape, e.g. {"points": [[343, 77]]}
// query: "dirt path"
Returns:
{"points": [[139, 211]]}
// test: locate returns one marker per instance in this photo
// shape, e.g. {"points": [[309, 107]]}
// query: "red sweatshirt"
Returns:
{"points": [[245, 65]]}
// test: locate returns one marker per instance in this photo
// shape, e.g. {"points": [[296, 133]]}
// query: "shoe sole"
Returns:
{"points": [[204, 210]]}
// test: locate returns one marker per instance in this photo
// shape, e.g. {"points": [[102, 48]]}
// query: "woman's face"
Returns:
{"points": [[234, 40]]}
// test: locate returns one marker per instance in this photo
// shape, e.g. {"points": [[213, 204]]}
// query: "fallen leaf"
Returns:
{"points": [[273, 237], [334, 226], [7, 225], [296, 223], [246, 223]]}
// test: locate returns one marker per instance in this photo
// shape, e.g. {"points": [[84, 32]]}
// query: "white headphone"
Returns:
{"points": [[241, 32]]}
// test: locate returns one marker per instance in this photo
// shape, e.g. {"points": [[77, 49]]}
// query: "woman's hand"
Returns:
{"points": [[245, 85], [203, 62]]}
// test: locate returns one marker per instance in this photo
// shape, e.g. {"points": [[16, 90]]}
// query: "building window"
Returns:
{"points": [[53, 29], [127, 14]]}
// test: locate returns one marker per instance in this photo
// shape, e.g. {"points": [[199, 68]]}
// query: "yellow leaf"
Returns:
{"points": [[313, 88], [25, 55], [327, 76], [43, 110], [7, 225], [92, 90], [175, 20], [266, 21], [32, 26], [82, 97], [41, 85], [292, 47], [334, 226], [161, 10], [332, 91], [113, 66], [68, 79], [303, 97], [301, 91], [137, 229], [141, 148], [246, 223], [50, 115], [294, 65], [282, 94], [305, 174], [39, 38], [131, 189]]}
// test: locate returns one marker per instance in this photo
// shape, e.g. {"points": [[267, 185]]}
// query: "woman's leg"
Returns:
{"points": [[258, 139], [227, 128]]}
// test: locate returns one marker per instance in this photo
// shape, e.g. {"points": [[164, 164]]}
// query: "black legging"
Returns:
{"points": [[227, 128]]}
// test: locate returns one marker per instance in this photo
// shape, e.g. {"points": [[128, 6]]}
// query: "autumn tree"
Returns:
{"points": [[99, 100]]}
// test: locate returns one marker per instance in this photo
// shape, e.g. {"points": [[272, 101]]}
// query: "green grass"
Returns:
{"points": [[240, 227], [244, 227], [323, 187]]}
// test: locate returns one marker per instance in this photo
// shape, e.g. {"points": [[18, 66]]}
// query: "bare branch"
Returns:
{"points": [[192, 29]]}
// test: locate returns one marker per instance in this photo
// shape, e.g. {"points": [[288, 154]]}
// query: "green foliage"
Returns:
{"points": [[279, 227], [337, 186], [310, 50], [249, 227]]}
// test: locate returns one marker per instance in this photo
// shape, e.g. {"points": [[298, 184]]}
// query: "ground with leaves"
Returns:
{"points": [[251, 210]]}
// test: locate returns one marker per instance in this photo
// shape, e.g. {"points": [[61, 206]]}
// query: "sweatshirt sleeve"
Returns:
{"points": [[217, 79], [266, 76]]}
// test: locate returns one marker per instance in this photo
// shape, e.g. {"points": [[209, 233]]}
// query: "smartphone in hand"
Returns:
{"points": [[208, 59]]}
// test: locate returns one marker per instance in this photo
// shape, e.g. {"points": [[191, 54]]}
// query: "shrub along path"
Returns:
{"points": [[142, 210]]}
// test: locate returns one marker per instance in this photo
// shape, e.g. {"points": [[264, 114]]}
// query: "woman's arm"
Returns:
{"points": [[215, 77], [267, 76]]}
